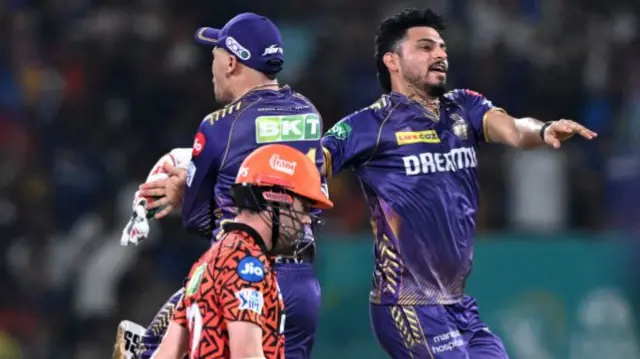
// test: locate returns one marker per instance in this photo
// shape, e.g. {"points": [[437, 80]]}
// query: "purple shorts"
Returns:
{"points": [[435, 332], [301, 295]]}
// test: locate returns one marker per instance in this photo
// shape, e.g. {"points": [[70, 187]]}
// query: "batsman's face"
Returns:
{"points": [[219, 70], [423, 58], [292, 222]]}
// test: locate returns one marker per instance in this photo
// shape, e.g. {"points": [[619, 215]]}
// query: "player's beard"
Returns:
{"points": [[418, 82], [435, 90]]}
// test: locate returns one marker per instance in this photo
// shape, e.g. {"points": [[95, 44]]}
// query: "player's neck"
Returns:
{"points": [[254, 86], [420, 96]]}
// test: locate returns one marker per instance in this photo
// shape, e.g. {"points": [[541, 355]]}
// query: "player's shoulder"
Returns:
{"points": [[223, 115], [367, 118], [379, 109], [302, 99], [463, 96], [240, 260]]}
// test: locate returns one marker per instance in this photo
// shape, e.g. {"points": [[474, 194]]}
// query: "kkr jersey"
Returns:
{"points": [[232, 282], [227, 136], [418, 174]]}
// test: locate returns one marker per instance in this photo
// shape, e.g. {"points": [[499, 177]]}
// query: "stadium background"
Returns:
{"points": [[92, 92]]}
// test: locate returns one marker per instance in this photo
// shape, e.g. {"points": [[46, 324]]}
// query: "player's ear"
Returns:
{"points": [[232, 64], [390, 60]]}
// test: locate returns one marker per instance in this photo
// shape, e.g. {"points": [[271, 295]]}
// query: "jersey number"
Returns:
{"points": [[312, 154], [195, 326]]}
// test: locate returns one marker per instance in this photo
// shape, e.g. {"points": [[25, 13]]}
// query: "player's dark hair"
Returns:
{"points": [[393, 29]]}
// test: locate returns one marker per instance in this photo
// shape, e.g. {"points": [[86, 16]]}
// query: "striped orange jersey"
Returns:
{"points": [[233, 281]]}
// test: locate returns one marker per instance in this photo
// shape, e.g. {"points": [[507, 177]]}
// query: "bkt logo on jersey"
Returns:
{"points": [[288, 128], [452, 161], [251, 269]]}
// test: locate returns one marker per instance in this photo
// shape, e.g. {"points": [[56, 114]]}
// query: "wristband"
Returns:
{"points": [[544, 128]]}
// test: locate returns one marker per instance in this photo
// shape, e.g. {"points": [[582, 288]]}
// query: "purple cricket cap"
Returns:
{"points": [[253, 39]]}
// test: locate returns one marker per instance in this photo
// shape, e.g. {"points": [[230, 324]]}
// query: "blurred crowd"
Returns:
{"points": [[93, 92]]}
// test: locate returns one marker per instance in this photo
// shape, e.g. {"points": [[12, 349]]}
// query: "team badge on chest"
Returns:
{"points": [[460, 126]]}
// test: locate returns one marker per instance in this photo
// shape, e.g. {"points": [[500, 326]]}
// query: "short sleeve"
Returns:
{"points": [[208, 148], [244, 288], [477, 107], [341, 147]]}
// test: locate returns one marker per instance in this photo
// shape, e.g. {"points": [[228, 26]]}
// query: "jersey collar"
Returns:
{"points": [[444, 100], [241, 227]]}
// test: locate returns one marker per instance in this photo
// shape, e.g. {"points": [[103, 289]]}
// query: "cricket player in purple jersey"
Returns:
{"points": [[248, 54], [414, 153]]}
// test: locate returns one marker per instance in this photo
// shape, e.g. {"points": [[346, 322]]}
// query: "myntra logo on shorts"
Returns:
{"points": [[452, 161], [282, 165], [407, 138]]}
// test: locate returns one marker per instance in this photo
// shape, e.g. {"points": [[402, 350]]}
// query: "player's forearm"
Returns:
{"points": [[528, 132], [515, 132]]}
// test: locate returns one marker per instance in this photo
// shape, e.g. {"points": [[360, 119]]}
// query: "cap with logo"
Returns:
{"points": [[253, 39]]}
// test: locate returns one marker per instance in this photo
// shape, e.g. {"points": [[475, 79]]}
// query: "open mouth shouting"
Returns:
{"points": [[439, 66]]}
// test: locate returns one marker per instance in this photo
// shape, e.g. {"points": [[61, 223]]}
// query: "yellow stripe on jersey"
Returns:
{"points": [[223, 112], [484, 122], [327, 162]]}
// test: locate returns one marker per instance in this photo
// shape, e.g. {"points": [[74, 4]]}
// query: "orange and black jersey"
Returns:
{"points": [[233, 281]]}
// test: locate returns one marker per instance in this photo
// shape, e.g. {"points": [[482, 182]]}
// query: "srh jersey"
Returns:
{"points": [[418, 173], [232, 282], [227, 136]]}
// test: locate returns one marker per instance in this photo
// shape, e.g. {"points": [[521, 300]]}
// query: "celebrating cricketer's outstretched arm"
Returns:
{"points": [[528, 132]]}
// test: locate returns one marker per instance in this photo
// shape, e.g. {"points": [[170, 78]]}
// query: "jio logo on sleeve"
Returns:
{"points": [[251, 269]]}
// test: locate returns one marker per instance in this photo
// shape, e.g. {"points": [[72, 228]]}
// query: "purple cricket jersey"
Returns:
{"points": [[227, 136], [418, 173]]}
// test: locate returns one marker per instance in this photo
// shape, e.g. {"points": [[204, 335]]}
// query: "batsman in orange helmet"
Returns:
{"points": [[232, 306]]}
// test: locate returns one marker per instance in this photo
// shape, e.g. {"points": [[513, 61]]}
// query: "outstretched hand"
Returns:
{"points": [[563, 129]]}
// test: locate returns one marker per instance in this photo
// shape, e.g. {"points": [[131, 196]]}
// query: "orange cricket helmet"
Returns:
{"points": [[282, 166]]}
